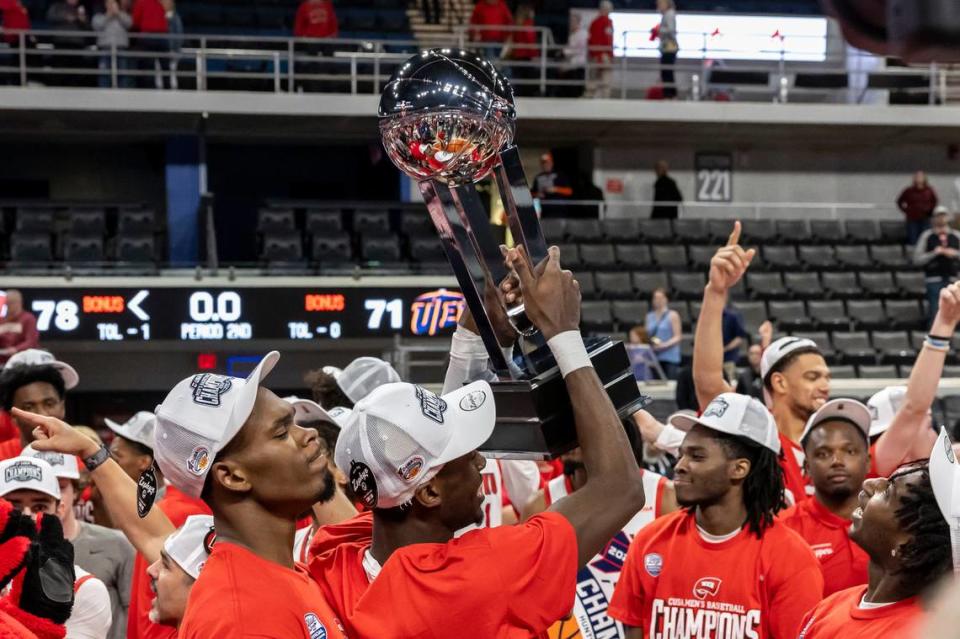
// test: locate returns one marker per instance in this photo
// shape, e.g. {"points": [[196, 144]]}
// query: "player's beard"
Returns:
{"points": [[329, 487]]}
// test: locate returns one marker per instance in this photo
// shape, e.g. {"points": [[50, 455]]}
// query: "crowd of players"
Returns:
{"points": [[367, 512]]}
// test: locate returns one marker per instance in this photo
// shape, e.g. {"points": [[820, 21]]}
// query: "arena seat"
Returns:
{"points": [[828, 314], [691, 231], [894, 346], [883, 371], [853, 257], [30, 247], [588, 285], [630, 313], [905, 313], [331, 249], [426, 249], [646, 283], [135, 221], [270, 220], [700, 256], [633, 256], [910, 283], [584, 231], [766, 285], [621, 230], [822, 339], [380, 248], [789, 315], [761, 232], [688, 285], [135, 248], [669, 257], [34, 220], [323, 221], [754, 314], [867, 313], [596, 315], [854, 347], [655, 231], [803, 285], [597, 256], [843, 371], [879, 284], [87, 222], [83, 248], [826, 231], [888, 256], [863, 231], [554, 229], [817, 258], [778, 258], [371, 222], [841, 284], [793, 231], [282, 246], [615, 285]]}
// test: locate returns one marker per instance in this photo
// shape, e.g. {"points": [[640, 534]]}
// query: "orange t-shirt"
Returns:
{"points": [[677, 585], [240, 594], [840, 617], [177, 506], [844, 563], [509, 582]]}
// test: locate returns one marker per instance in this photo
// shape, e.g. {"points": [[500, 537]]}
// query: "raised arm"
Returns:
{"points": [[119, 491], [726, 268], [909, 436], [613, 492]]}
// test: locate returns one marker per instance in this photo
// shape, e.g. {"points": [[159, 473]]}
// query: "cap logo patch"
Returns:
{"points": [[717, 408], [432, 406], [337, 411], [653, 564], [199, 460], [874, 412], [207, 388], [209, 540], [23, 471], [314, 626], [473, 401], [411, 468], [363, 483], [948, 449], [52, 458]]}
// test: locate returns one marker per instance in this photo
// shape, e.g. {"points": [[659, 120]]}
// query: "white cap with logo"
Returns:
{"points": [[64, 466], [945, 480], [884, 406], [190, 545], [780, 349], [401, 435], [735, 414], [38, 357], [840, 409], [198, 419], [310, 411], [139, 428], [363, 375], [28, 473]]}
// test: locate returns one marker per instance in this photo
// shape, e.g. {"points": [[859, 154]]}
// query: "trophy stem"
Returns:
{"points": [[518, 204]]}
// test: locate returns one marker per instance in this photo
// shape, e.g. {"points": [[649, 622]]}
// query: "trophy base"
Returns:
{"points": [[535, 418]]}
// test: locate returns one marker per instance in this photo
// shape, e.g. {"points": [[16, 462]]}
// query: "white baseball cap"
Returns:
{"points": [[199, 417], [363, 375], [401, 435], [28, 473], [190, 544], [310, 411], [64, 466], [38, 357], [332, 371], [844, 409], [735, 414], [945, 480], [884, 406], [780, 349], [139, 428]]}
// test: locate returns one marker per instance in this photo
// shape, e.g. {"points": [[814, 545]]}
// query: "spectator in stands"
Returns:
{"points": [[665, 330], [175, 28], [600, 45], [316, 19], [523, 47], [150, 18], [749, 381], [15, 18], [431, 11], [575, 60], [18, 328], [733, 335], [68, 15], [665, 190], [917, 201], [487, 16], [112, 26], [667, 34], [938, 251], [550, 184]]}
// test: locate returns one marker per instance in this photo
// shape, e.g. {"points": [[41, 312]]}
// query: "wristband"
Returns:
{"points": [[467, 343], [568, 349], [935, 344], [97, 459], [942, 339]]}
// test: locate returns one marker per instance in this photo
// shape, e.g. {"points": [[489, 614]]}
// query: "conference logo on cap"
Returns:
{"points": [[734, 414], [22, 471]]}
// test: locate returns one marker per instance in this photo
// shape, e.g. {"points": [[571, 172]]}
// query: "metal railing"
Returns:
{"points": [[610, 209], [362, 66]]}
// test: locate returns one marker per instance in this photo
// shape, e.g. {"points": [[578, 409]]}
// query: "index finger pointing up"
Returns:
{"points": [[734, 238]]}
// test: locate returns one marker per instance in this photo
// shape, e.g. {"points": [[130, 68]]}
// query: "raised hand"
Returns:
{"points": [[948, 314], [551, 295], [510, 295], [50, 433], [730, 262]]}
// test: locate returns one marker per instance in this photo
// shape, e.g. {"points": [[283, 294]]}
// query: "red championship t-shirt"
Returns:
{"points": [[240, 594], [177, 506], [840, 617], [677, 585], [509, 582], [798, 485]]}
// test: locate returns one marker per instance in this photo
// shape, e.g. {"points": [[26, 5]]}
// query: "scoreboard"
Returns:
{"points": [[199, 314]]}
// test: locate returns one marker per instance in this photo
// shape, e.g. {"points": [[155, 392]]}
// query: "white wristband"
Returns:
{"points": [[466, 343], [569, 351]]}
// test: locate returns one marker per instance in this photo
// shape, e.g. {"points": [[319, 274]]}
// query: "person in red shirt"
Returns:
{"points": [[524, 48], [795, 374], [917, 202], [15, 18], [899, 525], [316, 19], [18, 328], [723, 566], [487, 16], [837, 458], [425, 484], [600, 48], [150, 18]]}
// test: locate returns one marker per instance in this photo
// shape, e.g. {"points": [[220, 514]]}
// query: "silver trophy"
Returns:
{"points": [[447, 120]]}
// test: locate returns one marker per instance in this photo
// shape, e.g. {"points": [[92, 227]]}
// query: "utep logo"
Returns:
{"points": [[435, 311], [314, 626], [432, 406], [207, 388], [611, 558], [23, 471], [717, 408], [706, 587]]}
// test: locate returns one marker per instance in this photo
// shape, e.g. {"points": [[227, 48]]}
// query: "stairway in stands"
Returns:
{"points": [[452, 13]]}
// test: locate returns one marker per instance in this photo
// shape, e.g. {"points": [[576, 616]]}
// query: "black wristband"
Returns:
{"points": [[932, 336], [96, 460]]}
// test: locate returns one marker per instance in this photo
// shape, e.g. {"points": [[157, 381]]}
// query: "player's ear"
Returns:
{"points": [[739, 468], [778, 382], [231, 476], [428, 495]]}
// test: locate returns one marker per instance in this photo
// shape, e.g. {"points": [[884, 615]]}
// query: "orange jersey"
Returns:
{"points": [[507, 582], [177, 506], [844, 563], [798, 485], [240, 594], [677, 585], [840, 617]]}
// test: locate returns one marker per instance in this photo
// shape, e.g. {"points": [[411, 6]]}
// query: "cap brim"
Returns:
{"points": [[248, 397], [684, 422], [122, 431], [945, 478], [473, 414], [308, 410], [68, 373], [852, 411]]}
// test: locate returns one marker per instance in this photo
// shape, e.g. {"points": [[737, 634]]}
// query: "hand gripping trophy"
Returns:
{"points": [[447, 120]]}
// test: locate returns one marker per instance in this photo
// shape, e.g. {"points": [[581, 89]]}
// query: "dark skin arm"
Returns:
{"points": [[613, 492]]}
